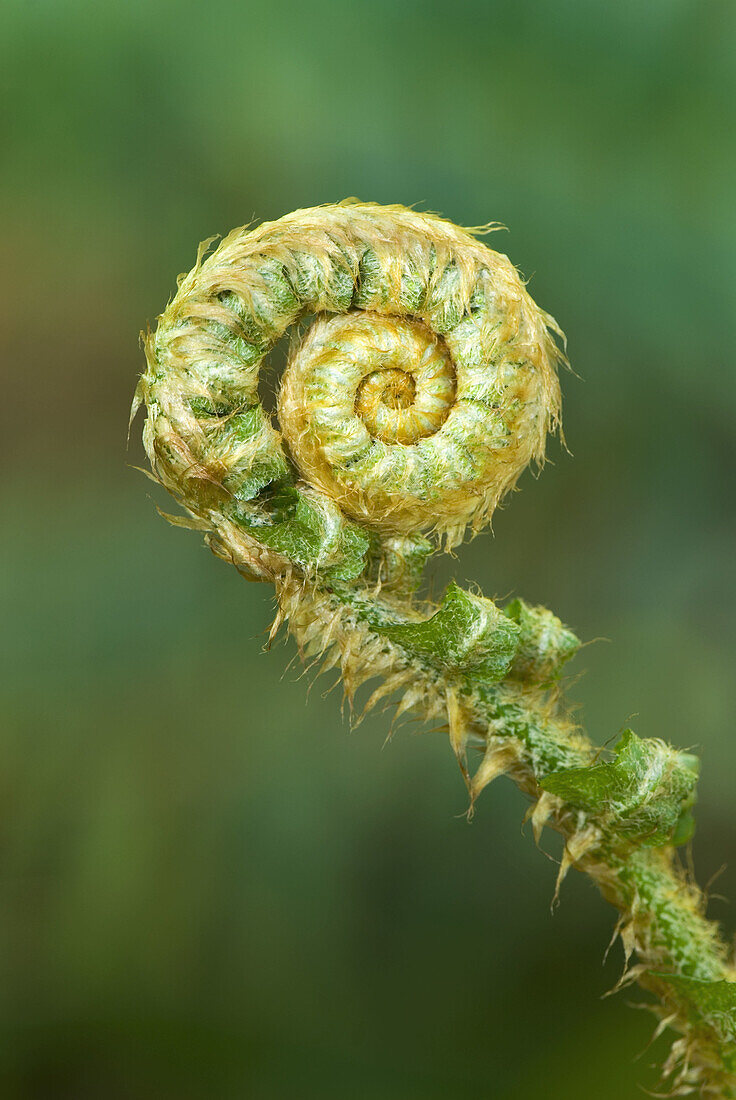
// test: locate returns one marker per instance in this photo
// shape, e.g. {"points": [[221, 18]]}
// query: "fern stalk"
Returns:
{"points": [[423, 387]]}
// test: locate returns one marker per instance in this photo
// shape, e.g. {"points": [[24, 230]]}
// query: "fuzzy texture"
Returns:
{"points": [[424, 386]]}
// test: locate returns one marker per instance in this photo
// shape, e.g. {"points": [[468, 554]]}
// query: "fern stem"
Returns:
{"points": [[424, 386]]}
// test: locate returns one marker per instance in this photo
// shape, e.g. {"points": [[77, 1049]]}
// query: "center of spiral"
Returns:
{"points": [[383, 402], [397, 388], [386, 403]]}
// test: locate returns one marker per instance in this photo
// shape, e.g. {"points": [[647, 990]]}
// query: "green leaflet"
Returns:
{"points": [[203, 408], [468, 634], [321, 286], [648, 789], [713, 1002], [311, 531], [544, 643], [262, 461], [371, 291], [398, 561]]}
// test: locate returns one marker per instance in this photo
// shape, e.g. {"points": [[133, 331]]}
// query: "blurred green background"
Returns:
{"points": [[210, 888]]}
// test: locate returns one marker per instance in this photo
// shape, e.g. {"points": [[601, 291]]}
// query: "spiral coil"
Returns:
{"points": [[423, 388]]}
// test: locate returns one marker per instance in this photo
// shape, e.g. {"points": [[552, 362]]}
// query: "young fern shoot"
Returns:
{"points": [[423, 387]]}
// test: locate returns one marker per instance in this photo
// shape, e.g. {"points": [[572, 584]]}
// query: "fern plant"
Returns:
{"points": [[424, 384]]}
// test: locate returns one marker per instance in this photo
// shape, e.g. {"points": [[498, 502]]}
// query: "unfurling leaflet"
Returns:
{"points": [[421, 381]]}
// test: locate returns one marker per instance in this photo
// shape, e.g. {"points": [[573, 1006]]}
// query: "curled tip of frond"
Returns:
{"points": [[427, 383]]}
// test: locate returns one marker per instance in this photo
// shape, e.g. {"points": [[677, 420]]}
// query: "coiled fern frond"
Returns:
{"points": [[423, 387]]}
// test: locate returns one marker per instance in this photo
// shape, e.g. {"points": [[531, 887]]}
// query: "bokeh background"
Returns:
{"points": [[210, 887]]}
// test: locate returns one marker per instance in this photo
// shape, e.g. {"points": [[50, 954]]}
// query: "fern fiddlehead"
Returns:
{"points": [[423, 387]]}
